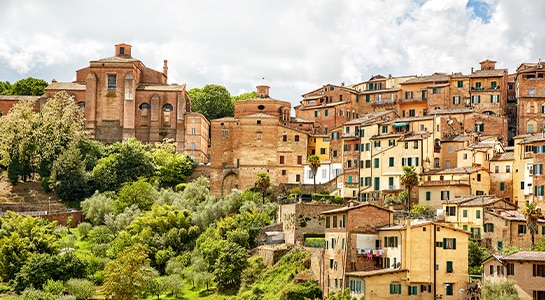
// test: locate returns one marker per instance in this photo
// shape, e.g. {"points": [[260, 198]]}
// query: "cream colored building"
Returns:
{"points": [[424, 259]]}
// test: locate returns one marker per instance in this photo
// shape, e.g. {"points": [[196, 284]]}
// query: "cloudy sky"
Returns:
{"points": [[296, 46]]}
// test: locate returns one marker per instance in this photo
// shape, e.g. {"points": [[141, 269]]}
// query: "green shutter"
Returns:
{"points": [[391, 288], [449, 266], [453, 243], [399, 288], [444, 243], [428, 196]]}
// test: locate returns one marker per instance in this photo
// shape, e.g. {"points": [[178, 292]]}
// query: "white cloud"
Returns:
{"points": [[296, 45]]}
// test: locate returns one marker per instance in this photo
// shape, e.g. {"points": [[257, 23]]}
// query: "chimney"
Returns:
{"points": [[165, 67], [263, 91]]}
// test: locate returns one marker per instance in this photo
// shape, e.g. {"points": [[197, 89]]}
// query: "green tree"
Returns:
{"points": [[22, 237], [126, 162], [421, 211], [409, 179], [126, 277], [43, 267], [228, 268], [476, 255], [314, 163], [140, 193], [532, 212], [29, 87], [502, 290], [5, 88], [68, 177], [96, 207], [61, 127], [244, 96], [172, 168], [213, 101], [263, 182], [18, 140]]}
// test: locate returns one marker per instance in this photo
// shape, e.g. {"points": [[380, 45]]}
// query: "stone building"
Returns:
{"points": [[348, 231], [530, 92], [122, 98], [260, 138]]}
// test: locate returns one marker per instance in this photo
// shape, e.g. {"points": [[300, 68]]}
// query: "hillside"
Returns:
{"points": [[289, 278]]}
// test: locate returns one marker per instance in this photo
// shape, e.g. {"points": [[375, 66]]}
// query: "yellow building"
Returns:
{"points": [[437, 187], [423, 259]]}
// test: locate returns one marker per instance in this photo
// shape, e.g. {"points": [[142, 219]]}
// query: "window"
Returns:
{"points": [[475, 99], [428, 196], [281, 159], [449, 243], [413, 290], [224, 132], [445, 195], [521, 229], [193, 131], [488, 227], [508, 169], [479, 127], [538, 190], [326, 113], [449, 267], [390, 241], [335, 154], [464, 213], [376, 163], [193, 147], [299, 159], [494, 98], [323, 151], [460, 84], [395, 288], [296, 138], [284, 138], [449, 289], [478, 214], [502, 186], [391, 162], [81, 104], [478, 85], [298, 178], [327, 222], [283, 172], [539, 270], [112, 82], [451, 210], [316, 114], [538, 169], [510, 269]]}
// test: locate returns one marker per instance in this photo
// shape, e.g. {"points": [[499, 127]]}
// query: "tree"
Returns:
{"points": [[18, 140], [263, 183], [244, 96], [68, 177], [5, 88], [421, 211], [97, 206], [29, 87], [22, 237], [409, 179], [139, 193], [126, 162], [476, 255], [126, 277], [532, 212], [501, 290], [172, 168], [314, 163], [213, 101], [231, 261]]}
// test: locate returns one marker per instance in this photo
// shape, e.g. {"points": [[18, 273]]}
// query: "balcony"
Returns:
{"points": [[529, 154], [383, 102], [443, 182], [424, 99]]}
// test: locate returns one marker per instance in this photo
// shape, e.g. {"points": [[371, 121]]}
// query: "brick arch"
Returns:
{"points": [[229, 182]]}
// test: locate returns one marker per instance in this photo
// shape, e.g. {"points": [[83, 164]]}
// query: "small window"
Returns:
{"points": [[144, 106], [261, 107], [112, 82], [81, 104], [168, 107]]}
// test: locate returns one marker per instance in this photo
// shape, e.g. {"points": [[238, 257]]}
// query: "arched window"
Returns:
{"points": [[144, 106], [168, 107], [81, 104]]}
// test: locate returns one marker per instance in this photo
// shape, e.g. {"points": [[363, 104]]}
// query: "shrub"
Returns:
{"points": [[80, 288]]}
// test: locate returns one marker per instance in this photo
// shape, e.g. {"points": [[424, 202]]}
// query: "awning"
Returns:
{"points": [[400, 124]]}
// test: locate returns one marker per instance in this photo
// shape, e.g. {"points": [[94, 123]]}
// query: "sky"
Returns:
{"points": [[293, 46]]}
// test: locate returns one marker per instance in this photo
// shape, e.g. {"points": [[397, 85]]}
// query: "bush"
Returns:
{"points": [[80, 288], [84, 229], [54, 287]]}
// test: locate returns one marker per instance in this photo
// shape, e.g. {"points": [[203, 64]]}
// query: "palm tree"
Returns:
{"points": [[409, 179], [532, 212], [314, 163], [263, 183]]}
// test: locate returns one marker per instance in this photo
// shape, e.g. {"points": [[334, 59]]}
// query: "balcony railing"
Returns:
{"points": [[443, 182], [528, 154], [383, 102]]}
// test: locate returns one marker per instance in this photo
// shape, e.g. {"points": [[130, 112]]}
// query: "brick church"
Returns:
{"points": [[122, 98]]}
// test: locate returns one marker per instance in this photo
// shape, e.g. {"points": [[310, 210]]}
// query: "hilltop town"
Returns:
{"points": [[473, 143]]}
